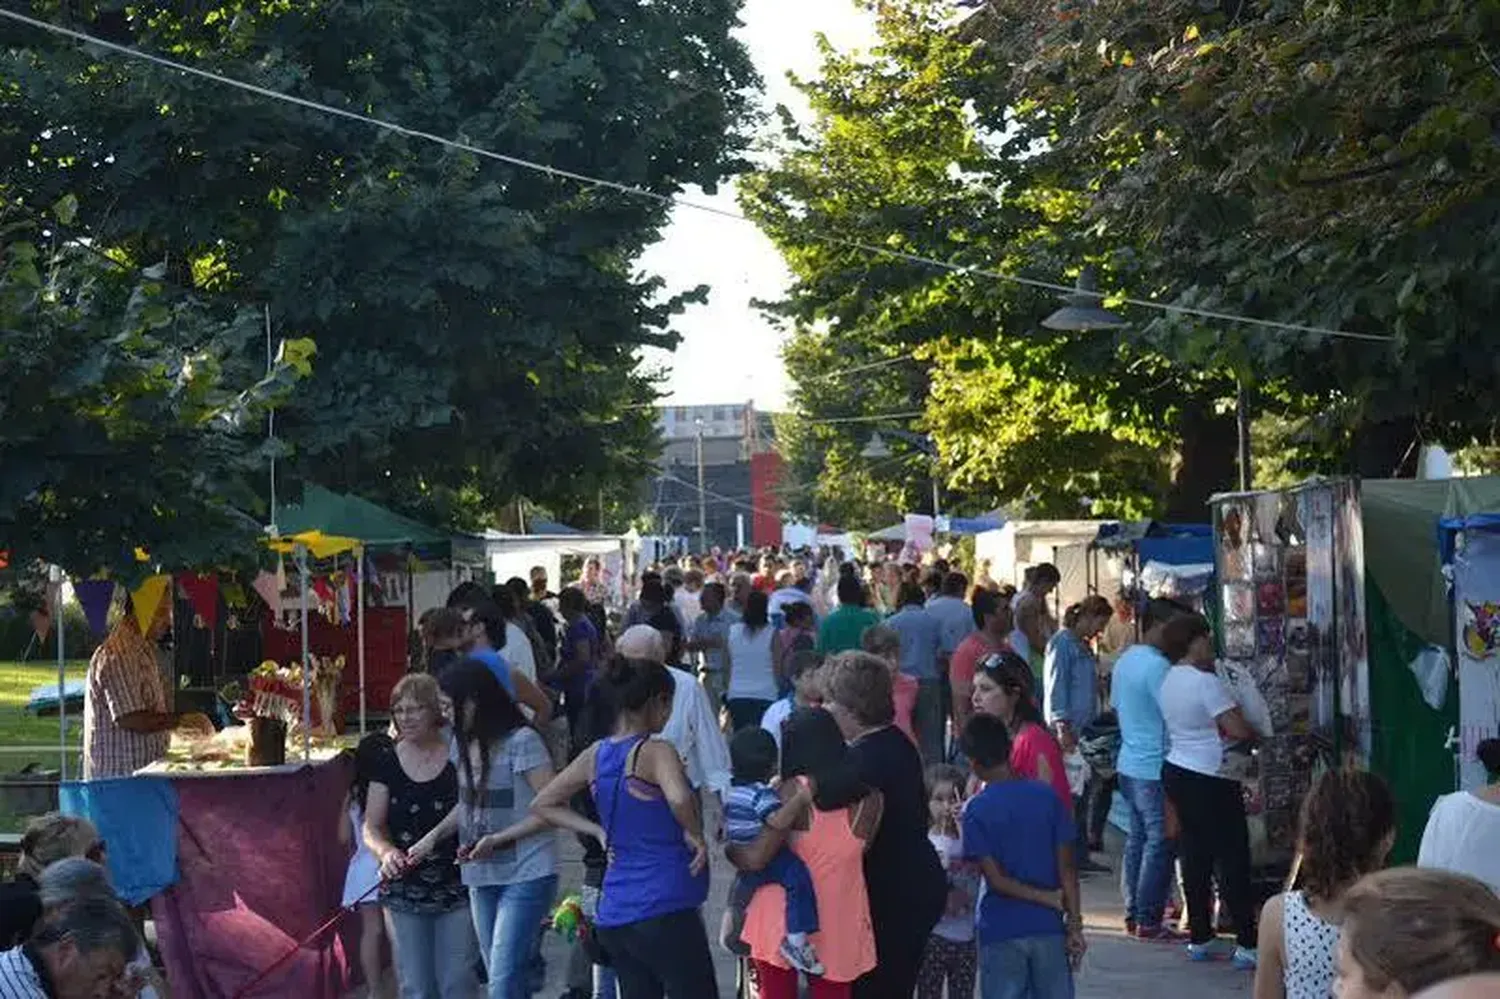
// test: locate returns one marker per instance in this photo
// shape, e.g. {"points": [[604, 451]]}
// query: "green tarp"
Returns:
{"points": [[1401, 543], [347, 516]]}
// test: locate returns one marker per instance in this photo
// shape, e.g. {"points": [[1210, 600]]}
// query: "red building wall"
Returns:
{"points": [[765, 491]]}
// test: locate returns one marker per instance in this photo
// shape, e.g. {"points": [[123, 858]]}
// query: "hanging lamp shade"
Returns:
{"points": [[1082, 309]]}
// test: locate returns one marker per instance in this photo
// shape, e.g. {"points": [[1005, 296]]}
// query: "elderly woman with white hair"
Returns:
{"points": [[693, 727], [77, 879]]}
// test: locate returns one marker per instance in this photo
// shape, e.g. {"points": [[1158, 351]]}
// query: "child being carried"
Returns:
{"points": [[751, 804]]}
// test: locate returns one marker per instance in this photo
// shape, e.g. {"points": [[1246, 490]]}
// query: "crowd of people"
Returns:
{"points": [[909, 775]]}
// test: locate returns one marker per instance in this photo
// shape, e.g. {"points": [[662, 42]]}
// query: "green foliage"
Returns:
{"points": [[1319, 164], [896, 159], [478, 324], [131, 416]]}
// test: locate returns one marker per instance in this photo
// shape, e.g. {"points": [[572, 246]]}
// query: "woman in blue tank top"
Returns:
{"points": [[649, 919]]}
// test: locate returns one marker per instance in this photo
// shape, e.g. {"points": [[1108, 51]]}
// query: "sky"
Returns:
{"points": [[729, 352]]}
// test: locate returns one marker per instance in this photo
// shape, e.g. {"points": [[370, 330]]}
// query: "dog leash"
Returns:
{"points": [[330, 923]]}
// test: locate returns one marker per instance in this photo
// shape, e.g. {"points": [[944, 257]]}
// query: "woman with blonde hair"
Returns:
{"points": [[1409, 929], [426, 905], [907, 887]]}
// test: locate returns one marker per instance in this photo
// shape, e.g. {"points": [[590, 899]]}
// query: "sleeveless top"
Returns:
{"points": [[1311, 945], [648, 872], [835, 858], [752, 663]]}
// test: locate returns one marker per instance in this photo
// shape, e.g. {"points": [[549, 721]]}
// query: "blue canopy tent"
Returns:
{"points": [[1142, 542]]}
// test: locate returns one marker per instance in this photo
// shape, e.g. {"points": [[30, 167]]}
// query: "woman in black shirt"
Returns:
{"points": [[903, 876]]}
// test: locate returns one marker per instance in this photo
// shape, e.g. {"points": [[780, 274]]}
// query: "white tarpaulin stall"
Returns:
{"points": [[509, 555]]}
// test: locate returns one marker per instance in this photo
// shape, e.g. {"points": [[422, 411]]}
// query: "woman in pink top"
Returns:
{"points": [[1004, 688], [831, 839], [884, 642]]}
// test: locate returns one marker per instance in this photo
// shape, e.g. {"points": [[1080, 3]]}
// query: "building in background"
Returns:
{"points": [[741, 475]]}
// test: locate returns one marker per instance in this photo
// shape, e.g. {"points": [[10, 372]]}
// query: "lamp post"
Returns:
{"points": [[876, 448], [1083, 310], [702, 496]]}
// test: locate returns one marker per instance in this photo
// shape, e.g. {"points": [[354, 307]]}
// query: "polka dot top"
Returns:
{"points": [[1311, 946]]}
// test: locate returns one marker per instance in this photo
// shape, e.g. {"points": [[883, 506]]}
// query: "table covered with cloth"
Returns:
{"points": [[259, 867]]}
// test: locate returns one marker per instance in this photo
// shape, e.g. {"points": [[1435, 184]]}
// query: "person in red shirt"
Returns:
{"points": [[994, 620], [765, 580], [1005, 689]]}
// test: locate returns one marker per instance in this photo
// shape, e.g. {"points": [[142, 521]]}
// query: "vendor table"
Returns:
{"points": [[255, 868], [260, 868]]}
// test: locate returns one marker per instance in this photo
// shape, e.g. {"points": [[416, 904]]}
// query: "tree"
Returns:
{"points": [[1324, 164], [478, 323], [131, 417], [896, 162]]}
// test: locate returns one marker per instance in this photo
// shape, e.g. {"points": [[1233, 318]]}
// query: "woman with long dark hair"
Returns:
{"points": [[831, 841], [508, 856], [649, 919], [752, 664], [1004, 688]]}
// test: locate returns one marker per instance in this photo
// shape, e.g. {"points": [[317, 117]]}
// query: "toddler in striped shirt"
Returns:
{"points": [[748, 807]]}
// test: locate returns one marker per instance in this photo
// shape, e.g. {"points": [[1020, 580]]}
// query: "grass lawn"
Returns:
{"points": [[25, 738]]}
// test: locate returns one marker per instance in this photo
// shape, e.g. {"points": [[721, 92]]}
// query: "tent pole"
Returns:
{"points": [[306, 667], [359, 598], [55, 572]]}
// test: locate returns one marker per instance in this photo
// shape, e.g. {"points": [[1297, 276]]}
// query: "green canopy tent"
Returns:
{"points": [[1408, 609], [327, 523]]}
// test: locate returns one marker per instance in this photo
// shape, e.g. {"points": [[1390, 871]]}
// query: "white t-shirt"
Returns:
{"points": [[776, 714], [752, 672], [518, 651], [1463, 836], [689, 605], [1191, 701], [963, 876]]}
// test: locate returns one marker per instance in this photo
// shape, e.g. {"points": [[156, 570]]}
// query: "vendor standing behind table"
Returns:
{"points": [[126, 723]]}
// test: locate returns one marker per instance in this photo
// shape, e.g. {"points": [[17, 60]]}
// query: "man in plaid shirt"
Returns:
{"points": [[126, 724]]}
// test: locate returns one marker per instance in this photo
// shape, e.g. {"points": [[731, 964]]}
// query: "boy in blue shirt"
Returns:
{"points": [[1030, 925]]}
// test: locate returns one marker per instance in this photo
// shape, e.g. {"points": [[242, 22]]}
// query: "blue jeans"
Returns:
{"points": [[433, 954], [788, 870], [506, 919], [1148, 852], [1025, 968]]}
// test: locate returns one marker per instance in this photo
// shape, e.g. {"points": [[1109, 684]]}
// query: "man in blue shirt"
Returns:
{"points": [[1135, 695], [709, 637], [1030, 924], [1071, 678], [921, 643]]}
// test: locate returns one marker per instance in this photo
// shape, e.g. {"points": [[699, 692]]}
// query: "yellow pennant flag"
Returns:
{"points": [[147, 599]]}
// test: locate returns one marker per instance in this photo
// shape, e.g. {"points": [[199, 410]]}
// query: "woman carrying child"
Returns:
{"points": [[830, 839]]}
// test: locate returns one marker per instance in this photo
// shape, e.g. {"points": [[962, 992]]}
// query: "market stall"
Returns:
{"points": [[1290, 571]]}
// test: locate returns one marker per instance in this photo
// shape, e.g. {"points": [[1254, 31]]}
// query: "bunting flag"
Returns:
{"points": [[234, 595], [269, 590], [147, 600], [95, 596], [203, 593]]}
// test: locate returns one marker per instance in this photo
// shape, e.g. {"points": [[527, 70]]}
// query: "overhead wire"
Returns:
{"points": [[671, 201]]}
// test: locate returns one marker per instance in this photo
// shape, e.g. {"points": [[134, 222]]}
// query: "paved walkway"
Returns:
{"points": [[1116, 967]]}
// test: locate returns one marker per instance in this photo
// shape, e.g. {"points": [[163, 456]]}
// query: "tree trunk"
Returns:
{"points": [[1205, 462]]}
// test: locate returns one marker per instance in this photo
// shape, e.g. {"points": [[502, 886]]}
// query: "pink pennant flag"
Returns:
{"points": [[95, 596], [269, 590]]}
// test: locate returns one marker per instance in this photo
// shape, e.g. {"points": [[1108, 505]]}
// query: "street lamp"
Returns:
{"points": [[1082, 309], [876, 448]]}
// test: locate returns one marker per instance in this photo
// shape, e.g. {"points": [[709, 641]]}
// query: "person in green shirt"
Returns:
{"points": [[842, 630]]}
